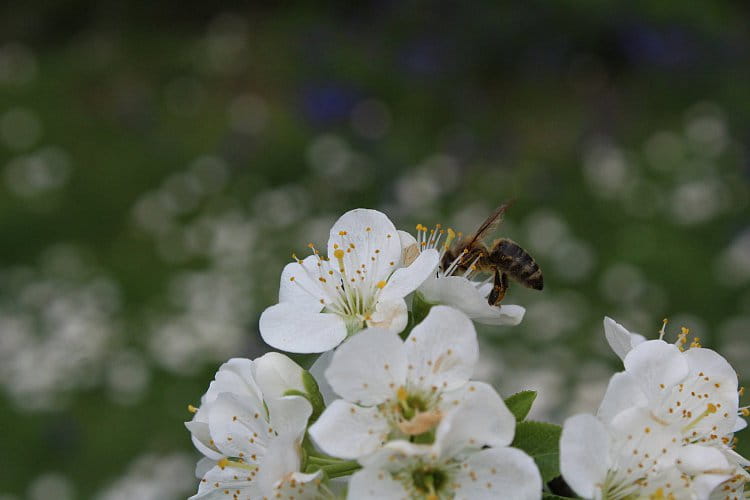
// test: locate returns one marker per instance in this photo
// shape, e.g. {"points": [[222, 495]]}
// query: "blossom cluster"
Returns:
{"points": [[664, 428], [395, 413]]}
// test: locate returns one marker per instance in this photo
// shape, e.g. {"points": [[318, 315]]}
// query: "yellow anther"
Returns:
{"points": [[291, 278], [380, 284], [335, 245], [401, 394], [192, 409], [223, 462], [322, 279], [657, 495], [745, 412], [711, 408], [696, 342], [684, 330], [338, 253], [368, 229], [342, 233], [741, 392]]}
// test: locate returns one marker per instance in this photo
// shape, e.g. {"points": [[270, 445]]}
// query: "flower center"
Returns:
{"points": [[347, 283]]}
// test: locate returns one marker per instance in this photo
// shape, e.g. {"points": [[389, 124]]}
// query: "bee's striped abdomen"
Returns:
{"points": [[517, 263]]}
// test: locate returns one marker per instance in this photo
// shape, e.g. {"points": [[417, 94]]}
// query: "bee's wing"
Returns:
{"points": [[490, 223]]}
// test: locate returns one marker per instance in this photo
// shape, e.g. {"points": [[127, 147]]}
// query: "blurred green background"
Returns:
{"points": [[158, 165]]}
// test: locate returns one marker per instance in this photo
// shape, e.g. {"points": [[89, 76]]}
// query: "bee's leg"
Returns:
{"points": [[499, 287]]}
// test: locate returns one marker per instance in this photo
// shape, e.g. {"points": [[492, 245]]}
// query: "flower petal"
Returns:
{"points": [[459, 292], [299, 285], [222, 478], [373, 483], [480, 419], [391, 315], [288, 415], [442, 350], [499, 473], [622, 393], [619, 338], [368, 230], [656, 365], [349, 431], [286, 327], [584, 454], [407, 279], [276, 374], [317, 370], [232, 421], [369, 368]]}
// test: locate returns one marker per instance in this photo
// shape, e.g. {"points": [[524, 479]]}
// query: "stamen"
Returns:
{"points": [[662, 330], [711, 408], [192, 409]]}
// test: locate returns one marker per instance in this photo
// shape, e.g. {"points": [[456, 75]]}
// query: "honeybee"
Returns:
{"points": [[504, 258]]}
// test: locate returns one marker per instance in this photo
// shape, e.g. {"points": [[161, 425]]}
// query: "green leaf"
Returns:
{"points": [[520, 403], [542, 442]]}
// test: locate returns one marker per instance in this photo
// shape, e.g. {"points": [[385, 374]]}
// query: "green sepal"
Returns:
{"points": [[520, 403], [541, 441], [420, 308], [313, 395]]}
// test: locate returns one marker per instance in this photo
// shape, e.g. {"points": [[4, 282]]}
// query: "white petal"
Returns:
{"points": [[619, 338], [280, 459], [499, 473], [656, 365], [623, 392], [442, 350], [505, 314], [369, 368], [391, 315], [711, 374], [299, 285], [372, 483], [739, 424], [584, 454], [203, 466], [299, 486], [349, 431], [232, 422], [201, 438], [382, 236], [290, 329], [219, 479], [407, 279], [235, 376], [276, 374], [409, 248], [288, 415], [480, 419], [697, 459], [459, 292]]}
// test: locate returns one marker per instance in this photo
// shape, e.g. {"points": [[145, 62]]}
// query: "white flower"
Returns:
{"points": [[361, 283], [635, 455], [252, 441], [448, 287], [394, 389], [458, 464], [695, 389]]}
